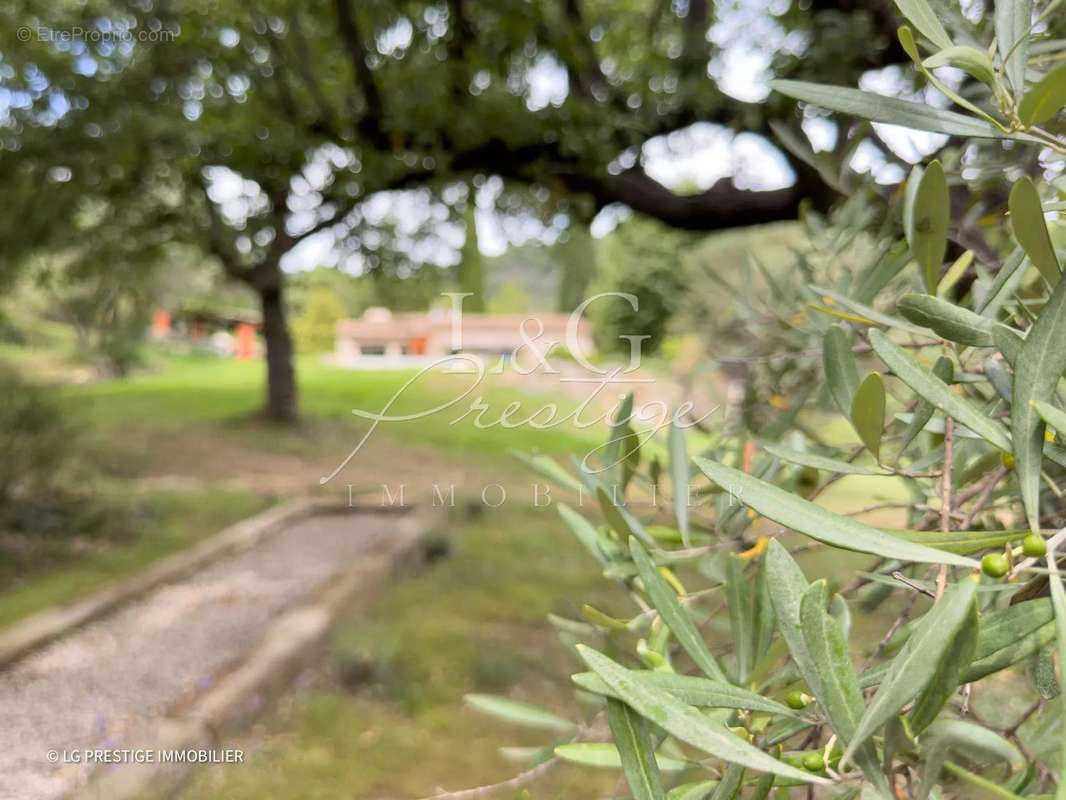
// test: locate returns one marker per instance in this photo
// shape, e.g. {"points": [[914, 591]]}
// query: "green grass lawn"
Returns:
{"points": [[223, 392], [164, 523], [139, 426]]}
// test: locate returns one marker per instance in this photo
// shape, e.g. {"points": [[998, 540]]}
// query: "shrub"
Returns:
{"points": [[315, 327], [638, 259], [45, 488]]}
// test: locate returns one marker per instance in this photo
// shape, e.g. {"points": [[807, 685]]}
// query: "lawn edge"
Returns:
{"points": [[45, 626]]}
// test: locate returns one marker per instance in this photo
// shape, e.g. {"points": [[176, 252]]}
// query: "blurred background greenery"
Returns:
{"points": [[293, 164]]}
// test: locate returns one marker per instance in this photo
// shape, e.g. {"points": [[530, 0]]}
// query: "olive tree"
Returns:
{"points": [[925, 661]]}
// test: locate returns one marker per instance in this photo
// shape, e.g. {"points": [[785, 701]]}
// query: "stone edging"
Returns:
{"points": [[45, 626], [289, 645]]}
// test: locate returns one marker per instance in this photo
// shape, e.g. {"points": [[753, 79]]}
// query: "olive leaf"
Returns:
{"points": [[741, 621], [906, 39], [692, 690], [1058, 602], [838, 691], [921, 16], [583, 531], [944, 370], [684, 722], [868, 413], [1046, 99], [787, 586], [1004, 284], [1055, 417], [950, 734], [1010, 636], [605, 755], [550, 469], [879, 108], [801, 515], [862, 312], [517, 712], [729, 786], [877, 276], [620, 519], [925, 222], [964, 542], [676, 618], [1042, 670], [974, 62], [954, 661], [998, 375], [918, 662], [1008, 342], [948, 320], [819, 462], [635, 752], [679, 477], [698, 790], [1036, 373], [1012, 21], [841, 374], [1030, 229], [763, 615], [937, 392], [954, 274]]}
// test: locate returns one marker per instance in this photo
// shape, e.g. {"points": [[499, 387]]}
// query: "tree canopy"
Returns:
{"points": [[247, 129]]}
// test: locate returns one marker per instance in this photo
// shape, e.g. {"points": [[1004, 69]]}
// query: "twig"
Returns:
{"points": [[945, 497], [987, 486], [590, 732], [899, 576], [1013, 729], [517, 782]]}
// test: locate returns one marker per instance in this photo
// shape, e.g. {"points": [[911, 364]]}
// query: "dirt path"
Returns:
{"points": [[113, 683]]}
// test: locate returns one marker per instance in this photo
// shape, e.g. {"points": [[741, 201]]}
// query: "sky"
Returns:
{"points": [[699, 155], [745, 34]]}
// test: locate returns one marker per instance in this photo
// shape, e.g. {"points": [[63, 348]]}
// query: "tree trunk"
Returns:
{"points": [[577, 261], [281, 379]]}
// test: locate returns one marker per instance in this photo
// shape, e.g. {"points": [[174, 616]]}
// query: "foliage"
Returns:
{"points": [[109, 312], [353, 292], [640, 260], [315, 327], [470, 274], [576, 256], [736, 673], [45, 489], [510, 298], [245, 130]]}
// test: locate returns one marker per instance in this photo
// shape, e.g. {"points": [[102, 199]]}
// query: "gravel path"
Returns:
{"points": [[112, 683]]}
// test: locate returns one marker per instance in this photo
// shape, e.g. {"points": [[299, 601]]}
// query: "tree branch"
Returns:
{"points": [[370, 125], [696, 54], [307, 75]]}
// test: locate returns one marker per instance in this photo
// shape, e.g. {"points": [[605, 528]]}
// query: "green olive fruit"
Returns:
{"points": [[995, 565], [796, 700], [1034, 546]]}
